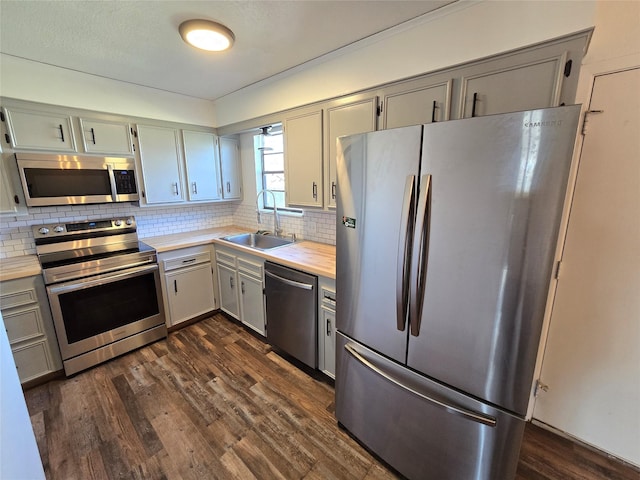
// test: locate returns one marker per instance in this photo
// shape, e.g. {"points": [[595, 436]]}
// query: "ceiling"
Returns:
{"points": [[138, 41]]}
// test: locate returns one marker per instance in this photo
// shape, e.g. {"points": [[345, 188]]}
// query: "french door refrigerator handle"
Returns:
{"points": [[456, 410], [419, 257], [404, 249]]}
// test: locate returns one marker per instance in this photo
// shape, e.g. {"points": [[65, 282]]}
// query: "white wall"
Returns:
{"points": [[456, 34], [19, 457], [37, 82]]}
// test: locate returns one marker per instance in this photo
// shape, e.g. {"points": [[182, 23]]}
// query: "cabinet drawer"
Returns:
{"points": [[328, 298], [186, 261], [251, 268], [23, 325], [32, 361], [224, 257], [17, 299]]}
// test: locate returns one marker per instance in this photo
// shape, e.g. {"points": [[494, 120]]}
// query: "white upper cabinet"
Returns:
{"points": [[303, 159], [161, 164], [523, 87], [201, 160], [416, 103], [348, 117], [230, 169], [109, 138], [33, 130]]}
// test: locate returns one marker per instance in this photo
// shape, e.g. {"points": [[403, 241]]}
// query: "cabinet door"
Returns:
{"points": [[111, 138], [190, 292], [201, 159], [230, 169], [251, 302], [417, 106], [328, 320], [349, 119], [8, 203], [228, 290], [303, 160], [160, 160], [524, 87], [33, 130]]}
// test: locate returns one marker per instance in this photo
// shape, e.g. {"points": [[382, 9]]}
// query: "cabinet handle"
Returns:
{"points": [[191, 260], [328, 327], [242, 287], [93, 135], [175, 286], [473, 106], [315, 190], [333, 190], [61, 133], [228, 187], [195, 188], [175, 187], [433, 112], [231, 282]]}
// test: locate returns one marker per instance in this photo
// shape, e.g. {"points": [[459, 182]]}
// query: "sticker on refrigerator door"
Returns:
{"points": [[349, 222]]}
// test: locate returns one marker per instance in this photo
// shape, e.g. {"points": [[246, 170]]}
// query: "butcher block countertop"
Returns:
{"points": [[313, 257], [19, 267]]}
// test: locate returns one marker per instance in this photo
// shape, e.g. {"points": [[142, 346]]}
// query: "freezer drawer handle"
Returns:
{"points": [[471, 415], [293, 283]]}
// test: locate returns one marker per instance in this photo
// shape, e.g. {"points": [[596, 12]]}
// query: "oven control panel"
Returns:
{"points": [[103, 227]]}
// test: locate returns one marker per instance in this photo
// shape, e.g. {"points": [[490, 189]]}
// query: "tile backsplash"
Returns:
{"points": [[16, 238]]}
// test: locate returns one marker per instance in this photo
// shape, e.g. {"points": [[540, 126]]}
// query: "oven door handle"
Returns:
{"points": [[101, 279]]}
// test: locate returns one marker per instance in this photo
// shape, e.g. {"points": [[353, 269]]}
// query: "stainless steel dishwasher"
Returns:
{"points": [[292, 312]]}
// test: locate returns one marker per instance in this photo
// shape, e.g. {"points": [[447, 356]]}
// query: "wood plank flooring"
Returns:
{"points": [[213, 401]]}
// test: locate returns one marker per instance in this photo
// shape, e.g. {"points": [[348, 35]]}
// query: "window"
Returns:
{"points": [[270, 168]]}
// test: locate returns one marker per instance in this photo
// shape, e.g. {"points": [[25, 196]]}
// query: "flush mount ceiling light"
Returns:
{"points": [[206, 35]]}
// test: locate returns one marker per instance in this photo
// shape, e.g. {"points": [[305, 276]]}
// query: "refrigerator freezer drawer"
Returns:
{"points": [[419, 427]]}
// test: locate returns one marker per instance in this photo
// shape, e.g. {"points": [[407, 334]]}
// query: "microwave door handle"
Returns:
{"points": [[112, 181]]}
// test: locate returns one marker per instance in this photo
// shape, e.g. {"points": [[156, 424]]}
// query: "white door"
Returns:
{"points": [[592, 358], [201, 159]]}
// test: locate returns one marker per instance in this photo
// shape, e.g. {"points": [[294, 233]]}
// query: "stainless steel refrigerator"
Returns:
{"points": [[445, 238]]}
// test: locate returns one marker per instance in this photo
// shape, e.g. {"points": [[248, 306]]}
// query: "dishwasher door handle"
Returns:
{"points": [[293, 283]]}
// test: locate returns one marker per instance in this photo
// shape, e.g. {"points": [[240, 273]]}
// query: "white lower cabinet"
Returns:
{"points": [[187, 283], [327, 326], [241, 280], [29, 326]]}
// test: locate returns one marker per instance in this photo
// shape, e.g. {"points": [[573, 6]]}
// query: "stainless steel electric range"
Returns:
{"points": [[104, 289]]}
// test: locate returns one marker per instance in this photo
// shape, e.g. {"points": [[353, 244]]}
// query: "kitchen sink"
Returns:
{"points": [[260, 242]]}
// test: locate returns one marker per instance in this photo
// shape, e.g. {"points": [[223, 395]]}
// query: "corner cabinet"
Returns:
{"points": [[241, 281], [160, 159], [327, 326], [303, 159], [187, 283], [230, 172], [27, 319]]}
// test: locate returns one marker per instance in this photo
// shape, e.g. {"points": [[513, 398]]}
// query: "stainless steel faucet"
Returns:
{"points": [[277, 231]]}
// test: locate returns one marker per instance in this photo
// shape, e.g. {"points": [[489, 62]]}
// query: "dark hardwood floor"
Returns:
{"points": [[213, 401]]}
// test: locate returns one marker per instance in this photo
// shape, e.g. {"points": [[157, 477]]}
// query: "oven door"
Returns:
{"points": [[89, 313]]}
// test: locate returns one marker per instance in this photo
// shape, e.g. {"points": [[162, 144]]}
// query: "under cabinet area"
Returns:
{"points": [[327, 326], [187, 283], [27, 319], [241, 283]]}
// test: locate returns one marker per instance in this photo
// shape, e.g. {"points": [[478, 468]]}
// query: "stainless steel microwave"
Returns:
{"points": [[74, 179]]}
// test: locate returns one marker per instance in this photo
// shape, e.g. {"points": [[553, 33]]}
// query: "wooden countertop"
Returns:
{"points": [[313, 257], [19, 267]]}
